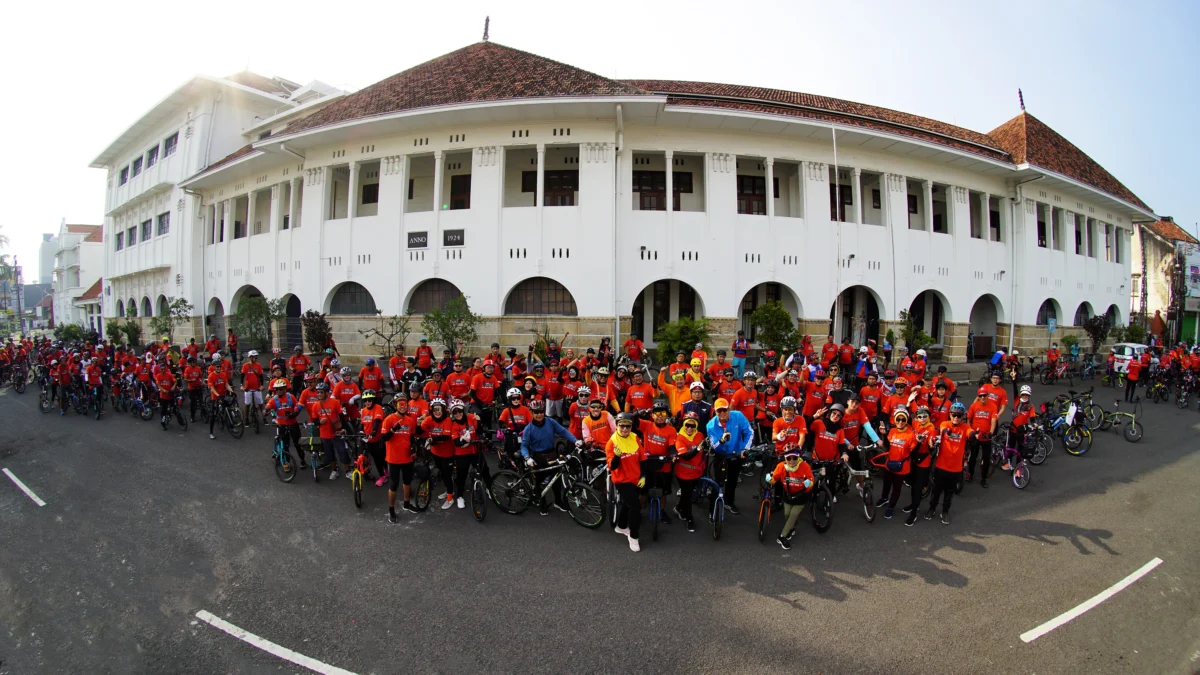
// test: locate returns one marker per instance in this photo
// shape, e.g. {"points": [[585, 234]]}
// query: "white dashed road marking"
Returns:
{"points": [[28, 493], [270, 647], [1030, 636]]}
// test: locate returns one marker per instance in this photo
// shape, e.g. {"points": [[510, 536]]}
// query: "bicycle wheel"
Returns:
{"points": [[1077, 440], [1093, 416], [997, 460], [1133, 432], [478, 499], [718, 517], [868, 496], [285, 468], [44, 403], [257, 423], [18, 384], [1045, 379], [655, 509], [423, 494], [510, 492], [146, 412], [181, 418], [1181, 400], [356, 482], [1040, 451], [1021, 476], [822, 510], [97, 406], [764, 517], [233, 423], [1106, 422], [586, 507]]}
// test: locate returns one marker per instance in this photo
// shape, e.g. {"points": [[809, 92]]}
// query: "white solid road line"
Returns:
{"points": [[28, 493], [1030, 636], [270, 647]]}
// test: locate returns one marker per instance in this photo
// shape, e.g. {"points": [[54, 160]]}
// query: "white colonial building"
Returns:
{"points": [[78, 266], [555, 198]]}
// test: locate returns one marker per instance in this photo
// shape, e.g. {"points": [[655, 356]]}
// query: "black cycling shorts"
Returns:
{"points": [[398, 471]]}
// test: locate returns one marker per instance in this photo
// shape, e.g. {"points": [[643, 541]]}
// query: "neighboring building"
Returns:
{"points": [[78, 264], [540, 191], [152, 253], [43, 314], [46, 251], [88, 308], [1155, 271]]}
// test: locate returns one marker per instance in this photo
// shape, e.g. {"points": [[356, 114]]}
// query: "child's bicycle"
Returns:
{"points": [[362, 465], [1116, 418], [285, 466], [1113, 379], [1014, 461], [316, 450], [764, 511]]}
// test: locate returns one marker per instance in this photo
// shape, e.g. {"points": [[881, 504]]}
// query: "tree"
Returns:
{"points": [[1136, 333], [452, 324], [773, 327], [914, 338], [133, 332], [112, 328], [388, 332], [316, 330], [253, 319], [682, 333], [179, 311], [1097, 329], [69, 332]]}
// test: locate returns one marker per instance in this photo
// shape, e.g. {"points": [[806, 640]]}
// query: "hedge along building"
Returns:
{"points": [[541, 192]]}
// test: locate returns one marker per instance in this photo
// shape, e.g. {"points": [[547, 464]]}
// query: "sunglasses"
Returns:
{"points": [[624, 426], [690, 424], [922, 416]]}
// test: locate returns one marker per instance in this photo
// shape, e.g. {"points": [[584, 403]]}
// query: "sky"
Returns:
{"points": [[1120, 80]]}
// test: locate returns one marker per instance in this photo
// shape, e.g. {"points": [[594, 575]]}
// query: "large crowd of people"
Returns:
{"points": [[653, 427]]}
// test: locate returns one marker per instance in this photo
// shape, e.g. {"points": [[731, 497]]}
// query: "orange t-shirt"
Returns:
{"points": [[954, 446], [791, 430], [630, 468], [901, 443]]}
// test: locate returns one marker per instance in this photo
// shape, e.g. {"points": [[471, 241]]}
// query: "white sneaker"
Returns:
{"points": [[633, 545], [460, 503], [442, 496], [859, 489], [349, 475], [333, 475], [621, 530], [447, 504], [835, 499]]}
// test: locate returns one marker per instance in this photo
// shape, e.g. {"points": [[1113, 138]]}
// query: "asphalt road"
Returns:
{"points": [[144, 528]]}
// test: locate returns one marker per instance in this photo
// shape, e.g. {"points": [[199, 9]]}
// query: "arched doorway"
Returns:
{"points": [[131, 307], [295, 328], [120, 308], [1083, 313], [540, 295], [1114, 316], [761, 295], [660, 302], [163, 307], [1048, 310], [431, 294], [929, 312], [147, 308], [215, 321], [243, 292], [986, 315], [855, 315], [351, 299]]}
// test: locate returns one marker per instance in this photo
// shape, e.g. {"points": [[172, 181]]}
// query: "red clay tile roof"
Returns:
{"points": [[1028, 140], [1170, 231], [91, 293], [484, 71], [96, 237], [236, 154], [46, 301], [83, 229], [823, 108]]}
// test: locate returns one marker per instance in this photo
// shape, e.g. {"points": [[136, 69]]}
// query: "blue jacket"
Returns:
{"points": [[740, 434], [541, 439]]}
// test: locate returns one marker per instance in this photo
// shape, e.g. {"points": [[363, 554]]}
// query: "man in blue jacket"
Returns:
{"points": [[731, 436], [538, 448]]}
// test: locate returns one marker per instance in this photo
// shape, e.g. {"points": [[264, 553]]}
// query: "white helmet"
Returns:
{"points": [[216, 358], [920, 352], [251, 353], [1026, 390], [1016, 352], [513, 392]]}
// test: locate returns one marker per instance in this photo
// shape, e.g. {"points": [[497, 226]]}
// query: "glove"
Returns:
{"points": [[641, 482], [579, 444], [807, 484], [529, 462]]}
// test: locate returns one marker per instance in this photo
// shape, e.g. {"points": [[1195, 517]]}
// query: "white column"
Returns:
{"points": [[857, 196], [293, 201], [352, 192], [769, 163], [927, 203], [983, 216], [436, 235], [251, 212], [541, 202], [670, 168]]}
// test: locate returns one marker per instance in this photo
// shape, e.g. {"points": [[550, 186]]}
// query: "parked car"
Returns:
{"points": [[1125, 352]]}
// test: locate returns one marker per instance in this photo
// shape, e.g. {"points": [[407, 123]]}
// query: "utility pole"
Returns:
{"points": [[20, 313]]}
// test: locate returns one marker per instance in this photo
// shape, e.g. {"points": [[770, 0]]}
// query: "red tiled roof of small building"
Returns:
{"points": [[93, 292], [1167, 229]]}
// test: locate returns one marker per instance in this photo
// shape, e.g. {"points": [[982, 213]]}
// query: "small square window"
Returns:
{"points": [[170, 144], [370, 193], [152, 157], [146, 230], [164, 223], [120, 240], [137, 167], [124, 176]]}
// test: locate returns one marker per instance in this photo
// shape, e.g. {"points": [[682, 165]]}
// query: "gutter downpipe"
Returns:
{"points": [[616, 202]]}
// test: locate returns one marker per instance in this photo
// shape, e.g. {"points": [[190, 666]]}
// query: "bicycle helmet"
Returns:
{"points": [[414, 387], [583, 392], [922, 410], [370, 363], [1026, 390], [602, 370], [749, 374], [889, 373], [788, 402], [537, 406], [329, 350], [696, 385], [511, 351], [276, 350], [334, 363], [456, 404], [437, 401], [660, 407], [981, 392], [369, 395], [837, 408], [296, 349], [691, 415], [346, 372], [251, 353], [1016, 352], [958, 408], [792, 454], [54, 363], [309, 377], [920, 352], [280, 383], [216, 358], [514, 393], [626, 418], [323, 388], [899, 412]]}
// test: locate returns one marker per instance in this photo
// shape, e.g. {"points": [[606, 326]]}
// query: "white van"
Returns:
{"points": [[1125, 352]]}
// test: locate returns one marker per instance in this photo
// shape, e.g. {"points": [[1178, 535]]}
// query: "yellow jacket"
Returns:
{"points": [[676, 396]]}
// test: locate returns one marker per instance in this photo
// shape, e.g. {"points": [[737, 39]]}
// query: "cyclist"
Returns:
{"points": [[298, 364], [697, 404], [329, 417], [94, 378], [730, 435], [901, 441], [983, 418], [66, 377], [788, 430], [438, 426], [371, 420], [424, 356], [465, 430], [1022, 413], [951, 451], [677, 394], [164, 381], [1052, 357], [996, 394], [689, 465], [218, 388], [658, 438], [287, 409], [624, 454], [193, 377], [483, 390], [252, 380], [920, 462], [370, 376], [347, 393], [397, 433], [794, 478], [538, 447]]}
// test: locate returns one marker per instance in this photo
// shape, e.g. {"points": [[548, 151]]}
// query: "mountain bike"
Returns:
{"points": [[141, 408], [1115, 419], [228, 415], [764, 512], [514, 492], [1114, 379], [707, 488], [45, 401], [285, 467], [479, 494], [821, 495], [1158, 391], [18, 377], [166, 420], [254, 419]]}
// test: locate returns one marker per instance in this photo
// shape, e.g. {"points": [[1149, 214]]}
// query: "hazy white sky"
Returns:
{"points": [[1120, 80]]}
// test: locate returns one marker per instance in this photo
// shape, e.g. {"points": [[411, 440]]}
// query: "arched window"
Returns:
{"points": [[131, 307], [352, 298], [147, 310], [432, 294], [540, 295], [1082, 314], [120, 308], [162, 305], [1046, 312]]}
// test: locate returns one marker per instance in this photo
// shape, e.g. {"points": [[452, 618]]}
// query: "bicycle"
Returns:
{"points": [[1116, 418], [1113, 379], [822, 496], [362, 465], [1061, 371], [1020, 470], [1076, 437], [316, 451], [18, 378], [183, 423], [141, 408], [708, 488], [479, 494], [285, 468], [254, 419], [514, 492], [764, 512], [228, 416], [1158, 391], [45, 401]]}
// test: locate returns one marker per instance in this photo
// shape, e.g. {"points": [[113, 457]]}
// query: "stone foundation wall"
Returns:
{"points": [[954, 342]]}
